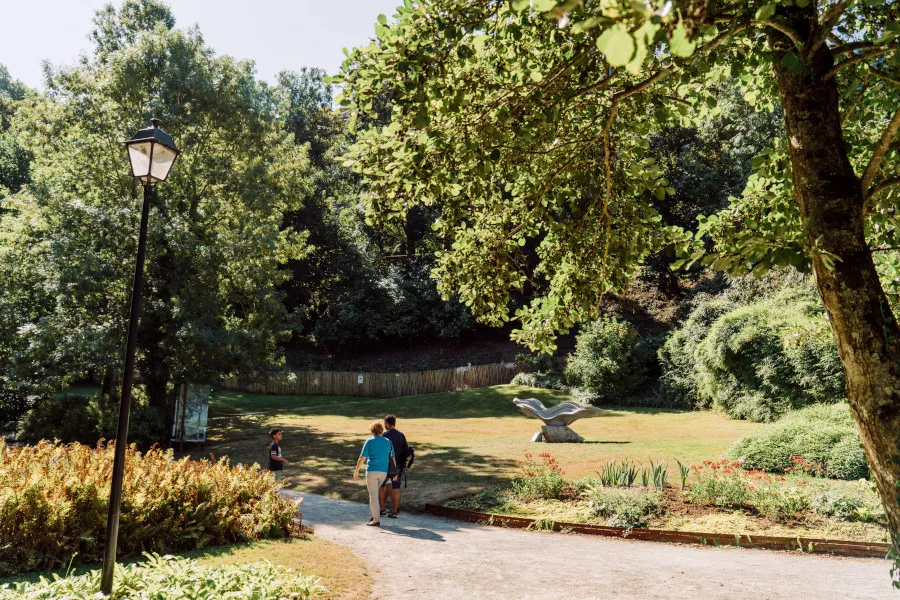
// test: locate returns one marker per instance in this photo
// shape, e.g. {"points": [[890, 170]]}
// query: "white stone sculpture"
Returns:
{"points": [[556, 419]]}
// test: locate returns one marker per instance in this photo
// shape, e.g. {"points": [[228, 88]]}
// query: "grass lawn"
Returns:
{"points": [[464, 441], [343, 573]]}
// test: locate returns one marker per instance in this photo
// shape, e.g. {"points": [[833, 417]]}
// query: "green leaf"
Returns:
{"points": [[382, 19], [766, 12], [680, 44], [617, 45], [536, 76], [792, 63]]}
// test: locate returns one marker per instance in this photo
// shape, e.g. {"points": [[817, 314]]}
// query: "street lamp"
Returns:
{"points": [[152, 153]]}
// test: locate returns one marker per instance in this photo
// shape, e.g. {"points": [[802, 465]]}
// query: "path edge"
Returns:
{"points": [[797, 544]]}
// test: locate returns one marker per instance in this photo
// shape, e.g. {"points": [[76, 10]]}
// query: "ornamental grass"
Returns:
{"points": [[54, 500]]}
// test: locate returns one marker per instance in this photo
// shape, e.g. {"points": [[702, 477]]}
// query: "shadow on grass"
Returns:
{"points": [[323, 462]]}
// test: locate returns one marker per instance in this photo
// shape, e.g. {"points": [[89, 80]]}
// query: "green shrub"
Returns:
{"points": [[175, 579], [754, 361], [679, 384], [538, 480], [610, 359], [724, 486], [548, 381], [625, 507], [848, 506], [86, 419], [535, 363], [618, 474], [54, 501], [779, 502], [818, 433]]}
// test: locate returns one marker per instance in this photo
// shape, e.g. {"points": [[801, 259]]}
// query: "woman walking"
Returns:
{"points": [[377, 453]]}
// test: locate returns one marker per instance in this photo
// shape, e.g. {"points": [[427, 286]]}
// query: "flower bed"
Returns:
{"points": [[720, 497]]}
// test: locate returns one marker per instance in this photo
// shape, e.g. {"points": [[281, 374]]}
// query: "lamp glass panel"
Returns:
{"points": [[139, 155], [163, 158]]}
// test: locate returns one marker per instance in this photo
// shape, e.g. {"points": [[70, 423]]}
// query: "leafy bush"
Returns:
{"points": [[548, 381], [848, 506], [625, 507], [755, 361], [610, 359], [719, 484], [679, 384], [539, 479], [13, 404], [818, 433], [617, 474], [87, 419], [535, 363], [54, 502], [175, 579], [779, 502]]}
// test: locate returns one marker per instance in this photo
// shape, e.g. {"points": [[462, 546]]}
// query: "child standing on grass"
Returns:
{"points": [[276, 461]]}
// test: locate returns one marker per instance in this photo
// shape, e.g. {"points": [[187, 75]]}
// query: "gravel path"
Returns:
{"points": [[423, 557]]}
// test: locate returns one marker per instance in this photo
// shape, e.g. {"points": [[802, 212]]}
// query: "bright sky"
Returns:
{"points": [[277, 34]]}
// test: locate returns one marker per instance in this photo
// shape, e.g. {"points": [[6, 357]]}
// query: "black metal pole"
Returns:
{"points": [[115, 492]]}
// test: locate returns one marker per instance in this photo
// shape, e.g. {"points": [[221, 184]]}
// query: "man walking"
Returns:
{"points": [[391, 485], [276, 461]]}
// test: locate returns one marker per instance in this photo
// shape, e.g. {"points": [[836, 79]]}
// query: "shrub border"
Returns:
{"points": [[810, 545]]}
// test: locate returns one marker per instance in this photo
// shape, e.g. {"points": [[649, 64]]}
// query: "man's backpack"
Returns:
{"points": [[409, 457]]}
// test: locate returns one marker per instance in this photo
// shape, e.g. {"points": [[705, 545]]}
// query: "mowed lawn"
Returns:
{"points": [[464, 441]]}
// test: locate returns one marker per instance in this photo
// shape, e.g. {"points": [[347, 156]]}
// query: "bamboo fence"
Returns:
{"points": [[378, 385]]}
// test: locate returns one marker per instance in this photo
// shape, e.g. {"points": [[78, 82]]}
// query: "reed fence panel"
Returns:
{"points": [[378, 385]]}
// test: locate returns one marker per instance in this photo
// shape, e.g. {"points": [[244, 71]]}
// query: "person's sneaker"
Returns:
{"points": [[393, 515], [374, 523], [384, 512]]}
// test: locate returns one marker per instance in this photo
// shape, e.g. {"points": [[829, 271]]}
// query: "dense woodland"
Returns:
{"points": [[482, 170]]}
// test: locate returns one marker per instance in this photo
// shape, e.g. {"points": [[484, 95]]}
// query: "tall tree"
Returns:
{"points": [[216, 240], [526, 121]]}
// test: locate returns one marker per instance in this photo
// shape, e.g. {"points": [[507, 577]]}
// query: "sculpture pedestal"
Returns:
{"points": [[559, 433]]}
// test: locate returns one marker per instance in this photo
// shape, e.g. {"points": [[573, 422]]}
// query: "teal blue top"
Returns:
{"points": [[378, 451]]}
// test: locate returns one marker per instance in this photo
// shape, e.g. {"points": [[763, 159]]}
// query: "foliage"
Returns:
{"points": [[625, 507], [55, 500], [88, 418], [549, 381], [754, 361], [617, 474], [610, 359], [216, 237], [822, 434], [719, 484], [176, 579], [779, 502], [683, 472], [537, 480], [659, 475], [535, 362], [848, 506]]}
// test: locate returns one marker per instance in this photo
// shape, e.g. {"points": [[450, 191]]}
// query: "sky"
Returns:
{"points": [[277, 34]]}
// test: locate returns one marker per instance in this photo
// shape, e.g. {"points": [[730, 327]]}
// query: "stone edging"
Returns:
{"points": [[811, 545]]}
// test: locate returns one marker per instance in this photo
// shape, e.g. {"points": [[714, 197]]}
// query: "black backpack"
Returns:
{"points": [[409, 457]]}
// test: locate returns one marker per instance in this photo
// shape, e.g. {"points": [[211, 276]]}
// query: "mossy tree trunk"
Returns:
{"points": [[832, 205]]}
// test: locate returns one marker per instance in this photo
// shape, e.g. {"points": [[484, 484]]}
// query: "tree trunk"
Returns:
{"points": [[830, 199]]}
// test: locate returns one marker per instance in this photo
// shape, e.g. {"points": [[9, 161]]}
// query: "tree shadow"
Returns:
{"points": [[323, 463]]}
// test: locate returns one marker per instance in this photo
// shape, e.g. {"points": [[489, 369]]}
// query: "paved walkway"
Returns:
{"points": [[422, 557]]}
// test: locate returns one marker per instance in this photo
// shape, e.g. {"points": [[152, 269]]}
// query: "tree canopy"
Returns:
{"points": [[216, 241], [527, 123]]}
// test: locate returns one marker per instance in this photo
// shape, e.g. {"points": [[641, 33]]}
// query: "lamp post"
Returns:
{"points": [[152, 153]]}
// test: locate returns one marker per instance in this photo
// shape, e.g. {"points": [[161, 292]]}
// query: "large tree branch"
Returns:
{"points": [[825, 25], [865, 55], [886, 76], [788, 31], [883, 185], [878, 154]]}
